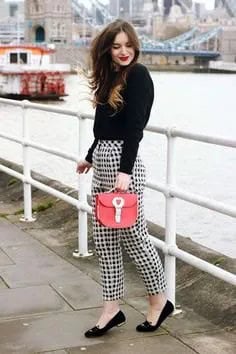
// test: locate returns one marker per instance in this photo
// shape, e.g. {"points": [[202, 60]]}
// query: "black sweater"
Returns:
{"points": [[128, 123]]}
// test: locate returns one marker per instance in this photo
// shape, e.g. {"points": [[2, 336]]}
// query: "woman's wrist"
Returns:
{"points": [[124, 173], [122, 181], [88, 161]]}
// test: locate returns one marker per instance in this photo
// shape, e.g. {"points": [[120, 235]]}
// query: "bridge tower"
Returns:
{"points": [[48, 21]]}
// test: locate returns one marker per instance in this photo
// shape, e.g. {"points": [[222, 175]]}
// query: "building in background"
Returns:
{"points": [[11, 21], [199, 9], [167, 6], [185, 5], [11, 9], [48, 21], [125, 8], [156, 7], [228, 5]]}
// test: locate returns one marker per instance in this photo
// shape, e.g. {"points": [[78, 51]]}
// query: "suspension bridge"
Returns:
{"points": [[192, 42]]}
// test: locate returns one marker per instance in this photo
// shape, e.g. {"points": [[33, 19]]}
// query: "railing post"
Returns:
{"points": [[170, 219], [82, 250], [26, 168]]}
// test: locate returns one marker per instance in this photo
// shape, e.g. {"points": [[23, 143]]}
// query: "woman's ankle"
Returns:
{"points": [[157, 301], [111, 307]]}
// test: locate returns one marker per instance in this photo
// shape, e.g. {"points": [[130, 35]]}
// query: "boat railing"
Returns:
{"points": [[169, 189]]}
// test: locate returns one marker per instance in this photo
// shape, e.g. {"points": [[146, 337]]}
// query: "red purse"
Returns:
{"points": [[116, 210]]}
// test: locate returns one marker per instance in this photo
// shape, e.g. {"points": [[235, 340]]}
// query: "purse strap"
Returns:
{"points": [[114, 189], [111, 190]]}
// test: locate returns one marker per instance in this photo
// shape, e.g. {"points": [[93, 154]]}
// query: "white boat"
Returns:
{"points": [[26, 73], [222, 66]]}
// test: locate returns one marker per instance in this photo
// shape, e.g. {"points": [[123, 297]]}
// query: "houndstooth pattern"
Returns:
{"points": [[106, 160]]}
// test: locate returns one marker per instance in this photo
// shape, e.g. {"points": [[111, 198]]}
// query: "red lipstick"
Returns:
{"points": [[124, 58]]}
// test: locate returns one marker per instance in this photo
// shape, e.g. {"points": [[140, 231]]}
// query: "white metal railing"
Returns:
{"points": [[170, 190]]}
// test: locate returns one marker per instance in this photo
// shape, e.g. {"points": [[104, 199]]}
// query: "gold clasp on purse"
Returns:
{"points": [[118, 203]]}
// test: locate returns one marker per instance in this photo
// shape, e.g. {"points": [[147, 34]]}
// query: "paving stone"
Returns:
{"points": [[4, 259], [28, 301], [63, 330], [152, 345], [24, 274], [10, 235], [36, 253], [139, 303], [212, 342], [80, 294]]}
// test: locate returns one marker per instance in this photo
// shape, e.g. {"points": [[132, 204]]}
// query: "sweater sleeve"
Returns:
{"points": [[89, 156], [138, 103]]}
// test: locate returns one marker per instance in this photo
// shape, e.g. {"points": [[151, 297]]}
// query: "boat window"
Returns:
{"points": [[22, 57]]}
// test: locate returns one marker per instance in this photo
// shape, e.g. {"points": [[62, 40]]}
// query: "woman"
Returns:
{"points": [[123, 96]]}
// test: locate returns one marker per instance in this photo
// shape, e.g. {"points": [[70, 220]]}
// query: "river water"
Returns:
{"points": [[200, 103]]}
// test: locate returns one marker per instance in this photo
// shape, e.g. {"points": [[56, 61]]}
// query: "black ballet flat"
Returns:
{"points": [[147, 327], [118, 320]]}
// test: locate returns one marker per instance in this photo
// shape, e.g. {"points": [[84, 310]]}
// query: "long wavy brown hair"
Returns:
{"points": [[105, 89]]}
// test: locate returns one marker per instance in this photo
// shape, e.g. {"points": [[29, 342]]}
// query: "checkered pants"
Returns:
{"points": [[106, 160]]}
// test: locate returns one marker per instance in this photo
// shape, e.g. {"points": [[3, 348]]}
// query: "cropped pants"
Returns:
{"points": [[106, 161]]}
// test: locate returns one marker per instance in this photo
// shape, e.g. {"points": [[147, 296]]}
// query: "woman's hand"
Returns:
{"points": [[83, 166], [122, 182]]}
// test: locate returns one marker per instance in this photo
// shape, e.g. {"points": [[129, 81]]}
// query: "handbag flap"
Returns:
{"points": [[130, 199]]}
